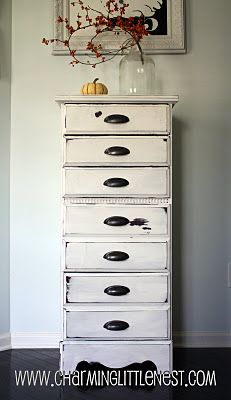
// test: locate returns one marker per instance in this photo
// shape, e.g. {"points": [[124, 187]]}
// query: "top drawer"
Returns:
{"points": [[117, 118]]}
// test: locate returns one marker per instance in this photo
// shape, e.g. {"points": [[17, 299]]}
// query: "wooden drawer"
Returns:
{"points": [[110, 182], [115, 354], [116, 288], [107, 118], [116, 256], [118, 150], [117, 323], [113, 220]]}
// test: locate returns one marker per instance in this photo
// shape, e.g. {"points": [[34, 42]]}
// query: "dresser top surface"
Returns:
{"points": [[107, 99]]}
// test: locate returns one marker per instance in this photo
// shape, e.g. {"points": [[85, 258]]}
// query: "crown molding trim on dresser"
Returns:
{"points": [[91, 99]]}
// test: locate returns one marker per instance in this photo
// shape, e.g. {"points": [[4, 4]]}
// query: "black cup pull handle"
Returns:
{"points": [[116, 256], [117, 290], [116, 221], [117, 151], [116, 182], [116, 325], [116, 119]]}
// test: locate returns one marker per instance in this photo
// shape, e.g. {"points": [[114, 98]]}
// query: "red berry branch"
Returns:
{"points": [[112, 19]]}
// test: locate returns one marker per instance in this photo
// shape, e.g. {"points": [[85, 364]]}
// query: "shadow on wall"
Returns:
{"points": [[177, 240], [5, 40]]}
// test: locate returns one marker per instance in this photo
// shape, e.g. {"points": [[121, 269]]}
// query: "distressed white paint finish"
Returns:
{"points": [[114, 306], [115, 354], [147, 118], [151, 288], [141, 182], [149, 324], [89, 220], [110, 239], [142, 256], [150, 150], [145, 203]]}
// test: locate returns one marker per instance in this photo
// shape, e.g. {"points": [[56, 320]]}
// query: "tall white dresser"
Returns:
{"points": [[116, 258]]}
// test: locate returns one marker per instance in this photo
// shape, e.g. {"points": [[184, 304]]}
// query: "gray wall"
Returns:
{"points": [[202, 171], [5, 72], [201, 167]]}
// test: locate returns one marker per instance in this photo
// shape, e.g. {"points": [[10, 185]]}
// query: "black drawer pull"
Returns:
{"points": [[116, 325], [116, 119], [116, 221], [117, 151], [116, 290], [116, 182], [116, 256]]}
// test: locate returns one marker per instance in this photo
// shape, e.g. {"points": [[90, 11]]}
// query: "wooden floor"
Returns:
{"points": [[184, 359]]}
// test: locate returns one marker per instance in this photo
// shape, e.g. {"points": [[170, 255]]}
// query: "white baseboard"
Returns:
{"points": [[202, 339], [5, 342], [25, 340], [38, 340]]}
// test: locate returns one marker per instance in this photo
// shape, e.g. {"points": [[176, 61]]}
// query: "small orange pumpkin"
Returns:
{"points": [[94, 88]]}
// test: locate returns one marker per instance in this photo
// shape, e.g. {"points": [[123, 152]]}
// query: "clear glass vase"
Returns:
{"points": [[136, 73]]}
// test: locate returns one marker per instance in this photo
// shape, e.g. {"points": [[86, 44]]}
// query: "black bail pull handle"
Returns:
{"points": [[116, 256], [116, 221], [117, 290], [116, 182], [117, 151], [116, 119], [116, 325]]}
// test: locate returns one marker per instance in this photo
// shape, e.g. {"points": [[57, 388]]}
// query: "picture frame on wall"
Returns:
{"points": [[165, 21]]}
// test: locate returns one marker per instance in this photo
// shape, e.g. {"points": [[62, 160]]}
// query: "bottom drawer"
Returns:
{"points": [[115, 354], [136, 322]]}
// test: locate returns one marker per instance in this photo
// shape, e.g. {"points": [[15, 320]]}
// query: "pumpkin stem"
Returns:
{"points": [[95, 80]]}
